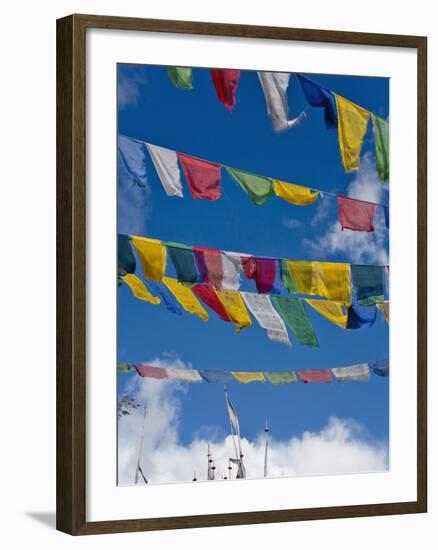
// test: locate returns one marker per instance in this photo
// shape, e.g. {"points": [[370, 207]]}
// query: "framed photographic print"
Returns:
{"points": [[241, 274]]}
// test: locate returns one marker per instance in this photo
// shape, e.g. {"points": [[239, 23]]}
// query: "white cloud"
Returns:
{"points": [[342, 446], [356, 246], [129, 83], [291, 223]]}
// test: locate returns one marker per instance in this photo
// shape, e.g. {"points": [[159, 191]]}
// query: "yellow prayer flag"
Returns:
{"points": [[235, 308], [152, 254], [247, 377], [352, 126], [331, 310], [295, 194], [139, 289], [384, 310], [329, 280], [185, 297]]}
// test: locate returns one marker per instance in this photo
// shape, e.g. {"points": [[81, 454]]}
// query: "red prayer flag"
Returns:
{"points": [[262, 270], [225, 83], [210, 298], [209, 262], [356, 215], [203, 177], [151, 372], [322, 376]]}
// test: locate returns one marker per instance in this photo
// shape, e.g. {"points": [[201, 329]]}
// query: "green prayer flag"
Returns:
{"points": [[286, 278], [181, 77], [280, 377], [124, 367], [381, 140], [372, 300], [295, 316], [258, 188]]}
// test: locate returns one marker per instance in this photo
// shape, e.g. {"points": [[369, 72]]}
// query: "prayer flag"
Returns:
{"points": [[209, 262], [124, 367], [181, 77], [258, 188], [281, 377], [367, 281], [381, 368], [352, 127], [286, 277], [185, 297], [168, 298], [222, 377], [262, 270], [317, 96], [247, 377], [321, 376], [187, 375], [183, 261], [361, 317], [355, 373], [203, 177], [139, 289], [225, 83], [125, 256], [166, 165], [381, 140], [295, 194], [331, 310], [329, 280], [231, 270], [261, 307], [147, 371], [295, 316], [152, 254], [386, 213], [384, 310], [133, 155], [274, 86], [355, 214], [210, 298], [235, 308]]}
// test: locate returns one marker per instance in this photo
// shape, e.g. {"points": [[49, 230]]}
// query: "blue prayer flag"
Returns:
{"points": [[168, 298], [360, 316], [317, 96], [381, 368], [125, 256], [216, 376]]}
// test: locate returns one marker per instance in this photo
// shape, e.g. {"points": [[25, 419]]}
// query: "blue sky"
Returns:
{"points": [[196, 123]]}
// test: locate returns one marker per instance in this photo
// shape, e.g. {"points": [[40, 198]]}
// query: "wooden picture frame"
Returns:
{"points": [[71, 273]]}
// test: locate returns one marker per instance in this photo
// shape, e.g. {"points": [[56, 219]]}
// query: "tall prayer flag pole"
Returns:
{"points": [[265, 470], [235, 433], [138, 469]]}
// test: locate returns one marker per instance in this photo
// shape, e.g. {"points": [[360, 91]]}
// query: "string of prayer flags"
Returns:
{"points": [[384, 310], [318, 96], [166, 165], [281, 377], [329, 280], [381, 368], [207, 295], [235, 308], [139, 289], [319, 376], [331, 310], [225, 82], [181, 77], [261, 307], [367, 281], [203, 177], [360, 316], [352, 127], [133, 155], [166, 296], [294, 314], [262, 270], [381, 140], [294, 194], [185, 298], [223, 377], [248, 377], [147, 371], [355, 214], [153, 255], [258, 188], [209, 263], [274, 86], [125, 256], [355, 373], [183, 261]]}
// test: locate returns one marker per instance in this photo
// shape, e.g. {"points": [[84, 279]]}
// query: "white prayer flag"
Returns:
{"points": [[261, 307], [166, 165], [355, 373]]}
